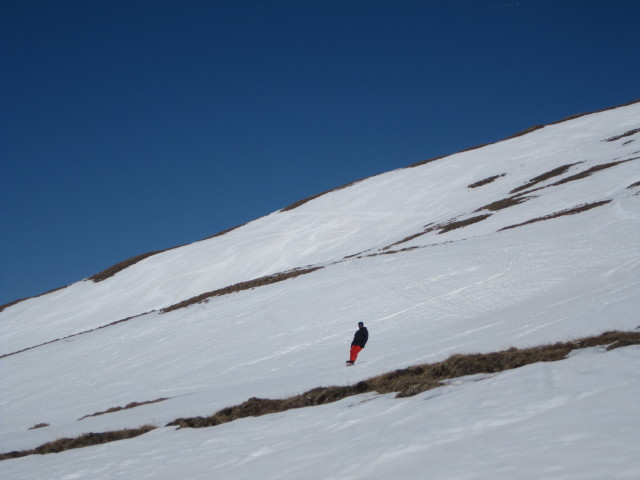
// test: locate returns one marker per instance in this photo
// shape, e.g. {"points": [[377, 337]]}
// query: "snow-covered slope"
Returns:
{"points": [[424, 257]]}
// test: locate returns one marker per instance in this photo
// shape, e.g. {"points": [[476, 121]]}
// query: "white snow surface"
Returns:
{"points": [[473, 289]]}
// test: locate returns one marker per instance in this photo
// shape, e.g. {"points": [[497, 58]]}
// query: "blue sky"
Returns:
{"points": [[132, 126]]}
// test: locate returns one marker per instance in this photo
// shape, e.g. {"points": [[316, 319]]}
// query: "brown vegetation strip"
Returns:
{"points": [[626, 134], [591, 171], [118, 267], [126, 407], [295, 205], [485, 181], [447, 227], [258, 282], [39, 425], [10, 304], [405, 382], [86, 440], [633, 185], [443, 227], [505, 203], [413, 380], [545, 176], [570, 211], [526, 131]]}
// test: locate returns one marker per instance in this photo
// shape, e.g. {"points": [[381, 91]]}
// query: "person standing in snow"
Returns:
{"points": [[359, 341]]}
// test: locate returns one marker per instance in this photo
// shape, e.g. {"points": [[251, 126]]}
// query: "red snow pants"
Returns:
{"points": [[355, 350]]}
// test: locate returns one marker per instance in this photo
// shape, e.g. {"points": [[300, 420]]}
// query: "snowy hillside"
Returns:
{"points": [[531, 240]]}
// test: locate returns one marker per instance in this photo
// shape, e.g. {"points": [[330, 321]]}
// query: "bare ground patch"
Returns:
{"points": [[571, 211], [10, 304], [626, 134], [448, 226], [297, 204], [126, 407], [485, 181], [454, 225], [86, 440], [258, 282], [404, 382], [118, 267], [545, 176], [505, 203], [39, 425], [591, 171]]}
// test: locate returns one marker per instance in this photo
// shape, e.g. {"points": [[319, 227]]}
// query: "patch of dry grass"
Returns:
{"points": [[571, 211], [413, 380], [626, 134], [545, 176], [454, 225], [86, 440], [10, 304], [485, 181], [591, 171], [258, 282], [405, 382], [299, 203], [118, 267], [126, 407], [505, 203], [39, 425]]}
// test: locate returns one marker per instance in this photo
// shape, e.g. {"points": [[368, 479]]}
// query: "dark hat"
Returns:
{"points": [[360, 324]]}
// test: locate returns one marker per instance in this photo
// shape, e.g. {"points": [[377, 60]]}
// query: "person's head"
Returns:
{"points": [[360, 325]]}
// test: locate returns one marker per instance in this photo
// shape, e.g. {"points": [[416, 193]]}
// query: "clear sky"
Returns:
{"points": [[135, 125]]}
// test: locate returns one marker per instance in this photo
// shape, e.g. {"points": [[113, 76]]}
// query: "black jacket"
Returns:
{"points": [[361, 337]]}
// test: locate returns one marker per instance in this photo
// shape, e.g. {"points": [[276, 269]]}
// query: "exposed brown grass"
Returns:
{"points": [[258, 282], [118, 267], [442, 227], [485, 181], [634, 185], [571, 211], [626, 134], [126, 407], [405, 382], [524, 132], [10, 304], [429, 160], [413, 380], [591, 171], [406, 239], [572, 117], [86, 440], [39, 425], [505, 203], [454, 225], [297, 204], [545, 176]]}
